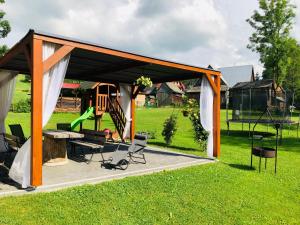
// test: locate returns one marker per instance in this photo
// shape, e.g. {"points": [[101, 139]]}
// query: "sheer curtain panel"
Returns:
{"points": [[125, 91], [7, 87], [206, 112], [52, 83]]}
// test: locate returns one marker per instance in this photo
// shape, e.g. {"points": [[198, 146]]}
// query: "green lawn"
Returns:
{"points": [[227, 192], [22, 90]]}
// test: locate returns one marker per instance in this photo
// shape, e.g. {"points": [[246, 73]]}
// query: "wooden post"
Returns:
{"points": [[132, 125], [36, 113], [96, 107], [216, 117]]}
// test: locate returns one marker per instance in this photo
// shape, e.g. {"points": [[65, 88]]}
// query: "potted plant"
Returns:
{"points": [[143, 82]]}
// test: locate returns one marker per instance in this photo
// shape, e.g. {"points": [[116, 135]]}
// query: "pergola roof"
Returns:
{"points": [[92, 62]]}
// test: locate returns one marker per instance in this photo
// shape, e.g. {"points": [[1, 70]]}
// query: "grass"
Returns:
{"points": [[22, 90], [227, 192]]}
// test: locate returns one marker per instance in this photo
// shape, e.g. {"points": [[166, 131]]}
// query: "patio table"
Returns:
{"points": [[55, 146]]}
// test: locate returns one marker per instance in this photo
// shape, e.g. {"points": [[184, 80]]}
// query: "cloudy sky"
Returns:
{"points": [[197, 32]]}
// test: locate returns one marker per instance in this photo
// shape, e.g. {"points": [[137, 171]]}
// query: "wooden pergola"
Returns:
{"points": [[92, 62]]}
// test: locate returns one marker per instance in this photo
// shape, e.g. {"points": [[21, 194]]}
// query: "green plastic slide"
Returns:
{"points": [[83, 117]]}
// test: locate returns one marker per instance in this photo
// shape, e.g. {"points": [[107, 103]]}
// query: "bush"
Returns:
{"points": [[200, 135], [191, 109], [22, 106], [170, 127]]}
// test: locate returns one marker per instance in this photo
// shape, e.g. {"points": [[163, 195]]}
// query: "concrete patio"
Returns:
{"points": [[79, 170]]}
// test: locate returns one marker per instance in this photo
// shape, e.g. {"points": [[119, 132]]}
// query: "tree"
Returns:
{"points": [[4, 30], [292, 83], [272, 25]]}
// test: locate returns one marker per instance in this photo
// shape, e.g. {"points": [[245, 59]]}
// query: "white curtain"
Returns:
{"points": [[7, 87], [125, 91], [52, 83], [206, 112]]}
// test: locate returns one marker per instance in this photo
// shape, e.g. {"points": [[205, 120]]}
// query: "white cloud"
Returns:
{"points": [[199, 32]]}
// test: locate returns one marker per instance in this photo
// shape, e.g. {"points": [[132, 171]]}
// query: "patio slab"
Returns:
{"points": [[79, 171]]}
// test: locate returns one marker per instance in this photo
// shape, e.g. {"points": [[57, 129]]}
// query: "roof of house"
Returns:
{"points": [[197, 89], [70, 86], [174, 87], [197, 86], [236, 74], [254, 84]]}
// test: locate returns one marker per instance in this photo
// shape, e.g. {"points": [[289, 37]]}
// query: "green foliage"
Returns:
{"points": [[191, 108], [170, 128], [292, 83], [3, 50], [189, 105], [144, 81], [4, 30], [200, 135], [271, 38], [22, 106]]}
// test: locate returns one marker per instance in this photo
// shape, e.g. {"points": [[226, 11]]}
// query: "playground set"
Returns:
{"points": [[99, 98]]}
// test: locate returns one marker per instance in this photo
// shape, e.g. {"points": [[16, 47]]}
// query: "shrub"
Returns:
{"points": [[191, 109], [170, 127], [200, 135], [22, 106]]}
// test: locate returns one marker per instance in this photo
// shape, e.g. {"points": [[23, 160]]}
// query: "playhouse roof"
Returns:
{"points": [[70, 85]]}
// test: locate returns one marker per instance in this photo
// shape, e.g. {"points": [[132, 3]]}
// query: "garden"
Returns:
{"points": [[226, 192]]}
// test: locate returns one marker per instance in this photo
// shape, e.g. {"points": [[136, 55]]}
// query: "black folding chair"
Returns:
{"points": [[17, 130]]}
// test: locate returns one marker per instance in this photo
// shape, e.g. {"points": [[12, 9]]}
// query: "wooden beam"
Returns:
{"points": [[27, 52], [58, 55], [36, 113], [126, 55], [211, 82], [216, 118]]}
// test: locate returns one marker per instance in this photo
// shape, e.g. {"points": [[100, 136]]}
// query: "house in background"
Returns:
{"points": [[194, 91], [162, 94], [170, 93]]}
